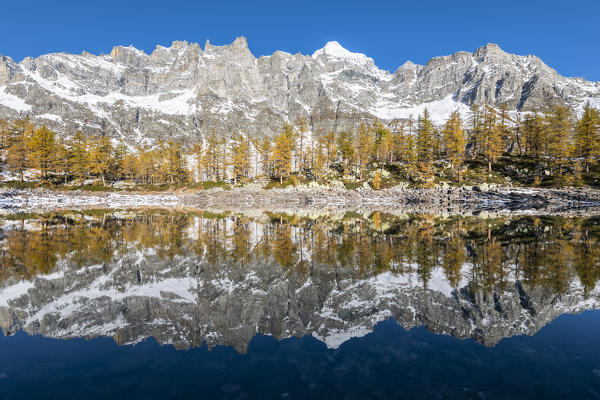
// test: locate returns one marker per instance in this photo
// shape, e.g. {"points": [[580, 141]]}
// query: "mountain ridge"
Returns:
{"points": [[184, 91]]}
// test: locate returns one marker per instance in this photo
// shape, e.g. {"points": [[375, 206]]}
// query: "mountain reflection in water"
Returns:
{"points": [[189, 278]]}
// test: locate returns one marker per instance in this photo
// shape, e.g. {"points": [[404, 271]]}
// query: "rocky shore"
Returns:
{"points": [[440, 200]]}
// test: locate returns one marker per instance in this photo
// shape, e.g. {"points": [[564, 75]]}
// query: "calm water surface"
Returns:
{"points": [[201, 305]]}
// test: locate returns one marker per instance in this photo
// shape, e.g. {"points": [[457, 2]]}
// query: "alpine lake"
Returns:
{"points": [[155, 304]]}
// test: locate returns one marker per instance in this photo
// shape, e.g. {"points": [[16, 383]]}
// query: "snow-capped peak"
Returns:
{"points": [[335, 50]]}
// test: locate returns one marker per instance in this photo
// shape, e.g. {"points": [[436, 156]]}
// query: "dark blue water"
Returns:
{"points": [[561, 361]]}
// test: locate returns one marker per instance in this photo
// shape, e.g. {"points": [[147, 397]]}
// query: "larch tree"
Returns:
{"points": [[398, 134], [174, 162], [454, 141], [79, 154], [264, 153], [99, 161], [504, 128], [558, 135], [240, 157], [329, 141], [302, 131], [4, 134], [534, 131], [346, 150], [489, 140], [364, 148], [282, 153], [62, 159], [475, 128], [587, 136], [42, 150], [17, 154], [211, 156], [425, 138]]}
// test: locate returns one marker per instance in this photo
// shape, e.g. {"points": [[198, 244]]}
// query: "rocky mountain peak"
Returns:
{"points": [[129, 56], [488, 49], [183, 92], [335, 50]]}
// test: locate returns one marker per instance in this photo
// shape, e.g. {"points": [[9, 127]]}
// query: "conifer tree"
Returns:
{"points": [[330, 148], [587, 136], [489, 141], [240, 160], [475, 128], [384, 142], [4, 134], [100, 157], [42, 150], [62, 159], [211, 156], [454, 141], [174, 162], [364, 147], [319, 158], [398, 140], [17, 154], [504, 129], [558, 134], [425, 138], [146, 165], [264, 153], [79, 156], [346, 150], [302, 130], [128, 166], [534, 132], [282, 153]]}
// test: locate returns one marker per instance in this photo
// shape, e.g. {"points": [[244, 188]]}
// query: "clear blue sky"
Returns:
{"points": [[565, 34]]}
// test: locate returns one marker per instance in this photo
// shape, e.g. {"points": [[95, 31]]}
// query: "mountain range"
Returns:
{"points": [[184, 91]]}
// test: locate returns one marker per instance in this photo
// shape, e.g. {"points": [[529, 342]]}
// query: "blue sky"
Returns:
{"points": [[564, 34]]}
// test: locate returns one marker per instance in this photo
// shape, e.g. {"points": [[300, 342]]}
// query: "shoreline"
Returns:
{"points": [[441, 200]]}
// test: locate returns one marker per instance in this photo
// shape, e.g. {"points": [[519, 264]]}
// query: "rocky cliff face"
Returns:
{"points": [[187, 300], [185, 91]]}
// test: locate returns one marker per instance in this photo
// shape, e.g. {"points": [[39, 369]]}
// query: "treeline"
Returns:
{"points": [[554, 140]]}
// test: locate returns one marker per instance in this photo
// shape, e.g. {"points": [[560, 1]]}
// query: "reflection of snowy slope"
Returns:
{"points": [[187, 301]]}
